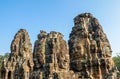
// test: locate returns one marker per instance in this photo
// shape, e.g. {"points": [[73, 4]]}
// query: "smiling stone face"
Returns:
{"points": [[64, 62], [63, 54]]}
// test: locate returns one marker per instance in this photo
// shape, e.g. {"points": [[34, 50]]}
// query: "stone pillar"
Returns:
{"points": [[40, 75], [12, 77], [2, 76], [6, 74], [26, 75]]}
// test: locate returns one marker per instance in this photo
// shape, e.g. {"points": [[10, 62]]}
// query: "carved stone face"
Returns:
{"points": [[78, 51], [107, 51], [77, 55], [41, 58], [64, 62], [110, 63]]}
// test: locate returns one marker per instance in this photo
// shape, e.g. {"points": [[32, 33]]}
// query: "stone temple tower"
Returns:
{"points": [[51, 56], [89, 49], [20, 62]]}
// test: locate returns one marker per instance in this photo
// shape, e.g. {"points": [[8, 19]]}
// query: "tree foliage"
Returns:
{"points": [[116, 60], [2, 57]]}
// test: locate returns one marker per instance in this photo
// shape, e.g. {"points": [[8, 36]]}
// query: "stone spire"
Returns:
{"points": [[90, 51], [51, 53], [20, 62]]}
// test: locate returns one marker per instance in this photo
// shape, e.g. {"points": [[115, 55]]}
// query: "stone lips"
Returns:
{"points": [[86, 56]]}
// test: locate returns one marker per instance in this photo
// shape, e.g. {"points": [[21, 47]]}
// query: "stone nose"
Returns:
{"points": [[75, 49]]}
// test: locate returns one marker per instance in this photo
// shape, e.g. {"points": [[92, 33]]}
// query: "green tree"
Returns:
{"points": [[2, 57], [6, 55], [116, 60]]}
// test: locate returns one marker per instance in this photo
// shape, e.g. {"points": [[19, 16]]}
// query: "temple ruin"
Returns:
{"points": [[86, 56]]}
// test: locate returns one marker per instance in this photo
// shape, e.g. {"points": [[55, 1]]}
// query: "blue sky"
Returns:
{"points": [[56, 15]]}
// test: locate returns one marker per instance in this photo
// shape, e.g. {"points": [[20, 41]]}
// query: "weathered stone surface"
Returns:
{"points": [[90, 51], [39, 51], [20, 63], [87, 55], [51, 56]]}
